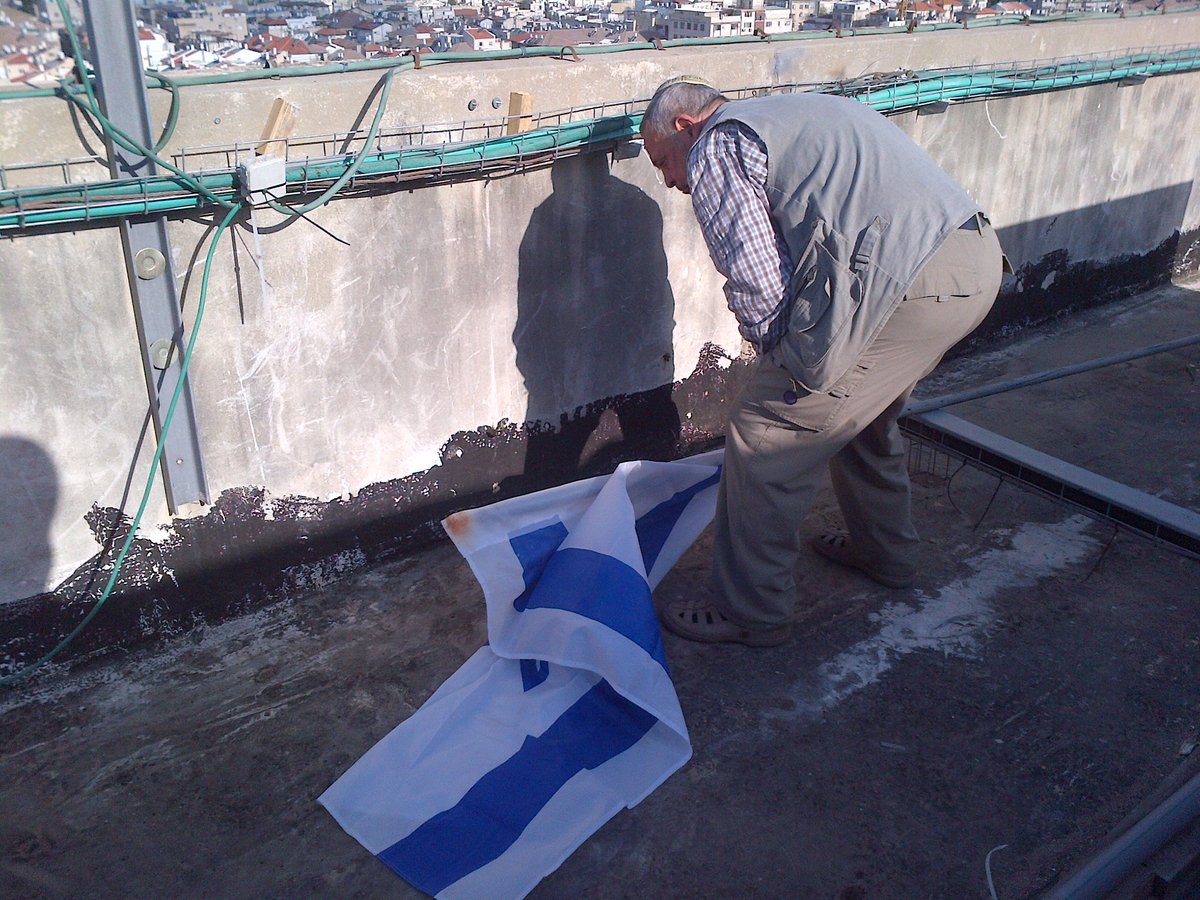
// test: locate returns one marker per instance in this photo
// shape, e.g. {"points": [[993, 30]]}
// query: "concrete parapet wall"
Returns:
{"points": [[408, 352]]}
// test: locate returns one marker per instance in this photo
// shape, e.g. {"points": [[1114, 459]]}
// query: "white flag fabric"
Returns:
{"points": [[567, 715]]}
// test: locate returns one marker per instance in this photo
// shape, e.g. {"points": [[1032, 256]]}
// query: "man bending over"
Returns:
{"points": [[852, 263]]}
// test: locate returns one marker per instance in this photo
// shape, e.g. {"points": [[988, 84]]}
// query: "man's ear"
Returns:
{"points": [[683, 122]]}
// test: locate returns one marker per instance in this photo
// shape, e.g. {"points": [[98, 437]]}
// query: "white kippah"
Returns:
{"points": [[684, 79]]}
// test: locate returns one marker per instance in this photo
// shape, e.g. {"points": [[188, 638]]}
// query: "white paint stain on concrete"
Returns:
{"points": [[949, 621], [324, 572]]}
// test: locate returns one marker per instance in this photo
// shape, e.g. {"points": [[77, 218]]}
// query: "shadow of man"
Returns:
{"points": [[595, 315], [28, 497]]}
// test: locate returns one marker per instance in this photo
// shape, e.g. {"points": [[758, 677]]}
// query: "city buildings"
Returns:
{"points": [[295, 32]]}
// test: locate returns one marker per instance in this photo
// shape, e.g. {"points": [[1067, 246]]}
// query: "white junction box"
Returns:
{"points": [[263, 178]]}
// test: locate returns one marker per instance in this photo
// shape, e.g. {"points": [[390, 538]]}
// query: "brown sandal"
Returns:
{"points": [[697, 620], [837, 547]]}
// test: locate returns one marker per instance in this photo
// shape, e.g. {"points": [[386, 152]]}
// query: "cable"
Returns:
{"points": [[154, 462], [19, 209], [991, 500], [115, 134], [949, 483], [433, 59], [172, 115], [123, 140], [356, 163], [233, 209], [987, 868]]}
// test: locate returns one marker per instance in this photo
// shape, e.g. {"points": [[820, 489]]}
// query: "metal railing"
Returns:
{"points": [[426, 154]]}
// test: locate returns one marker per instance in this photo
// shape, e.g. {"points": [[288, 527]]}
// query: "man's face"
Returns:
{"points": [[669, 155]]}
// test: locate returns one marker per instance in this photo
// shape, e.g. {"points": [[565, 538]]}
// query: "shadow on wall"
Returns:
{"points": [[28, 497], [595, 314], [1053, 277]]}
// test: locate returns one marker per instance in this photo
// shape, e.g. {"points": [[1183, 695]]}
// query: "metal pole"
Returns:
{"points": [[112, 28], [999, 387], [1126, 507], [1114, 864]]}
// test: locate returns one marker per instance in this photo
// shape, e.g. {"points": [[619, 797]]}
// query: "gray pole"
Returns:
{"points": [[1109, 868], [112, 28], [999, 387]]}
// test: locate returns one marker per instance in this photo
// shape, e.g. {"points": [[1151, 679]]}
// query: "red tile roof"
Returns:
{"points": [[280, 45]]}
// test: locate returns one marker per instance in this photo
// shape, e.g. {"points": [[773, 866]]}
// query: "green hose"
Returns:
{"points": [[172, 115], [160, 194], [154, 462], [352, 169], [123, 140], [115, 134], [432, 59]]}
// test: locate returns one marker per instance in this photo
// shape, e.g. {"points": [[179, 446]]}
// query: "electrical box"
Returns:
{"points": [[630, 149], [262, 179]]}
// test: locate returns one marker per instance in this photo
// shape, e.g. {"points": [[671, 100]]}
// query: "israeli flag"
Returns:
{"points": [[569, 713]]}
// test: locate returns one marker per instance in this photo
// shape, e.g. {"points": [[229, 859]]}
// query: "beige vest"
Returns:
{"points": [[862, 209]]}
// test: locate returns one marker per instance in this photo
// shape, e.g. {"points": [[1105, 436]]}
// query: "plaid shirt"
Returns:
{"points": [[727, 173]]}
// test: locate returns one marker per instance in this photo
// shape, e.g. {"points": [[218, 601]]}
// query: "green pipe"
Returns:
{"points": [[406, 63], [600, 130], [102, 211], [151, 184], [357, 162], [117, 198]]}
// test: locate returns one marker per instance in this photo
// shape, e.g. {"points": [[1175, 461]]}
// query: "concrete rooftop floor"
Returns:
{"points": [[1038, 682]]}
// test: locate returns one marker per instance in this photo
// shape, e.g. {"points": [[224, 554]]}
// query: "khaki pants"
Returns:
{"points": [[775, 451]]}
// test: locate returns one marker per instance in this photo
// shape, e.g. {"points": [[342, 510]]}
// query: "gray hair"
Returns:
{"points": [[684, 95]]}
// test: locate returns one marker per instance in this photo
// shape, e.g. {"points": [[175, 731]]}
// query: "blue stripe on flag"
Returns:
{"points": [[601, 588], [533, 673], [654, 527], [496, 810], [534, 550]]}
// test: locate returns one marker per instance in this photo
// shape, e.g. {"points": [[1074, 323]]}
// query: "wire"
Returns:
{"points": [[172, 115], [123, 140], [115, 134], [1103, 553], [154, 462], [355, 164], [29, 207], [434, 59], [949, 482], [987, 868], [991, 500], [233, 208]]}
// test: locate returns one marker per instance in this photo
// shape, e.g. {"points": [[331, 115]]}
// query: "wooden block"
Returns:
{"points": [[280, 124], [520, 112]]}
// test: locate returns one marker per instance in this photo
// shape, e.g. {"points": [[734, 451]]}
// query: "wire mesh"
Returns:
{"points": [[73, 170], [927, 460], [887, 91], [334, 145]]}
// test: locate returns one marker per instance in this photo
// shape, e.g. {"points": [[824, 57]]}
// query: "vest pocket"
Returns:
{"points": [[825, 291]]}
